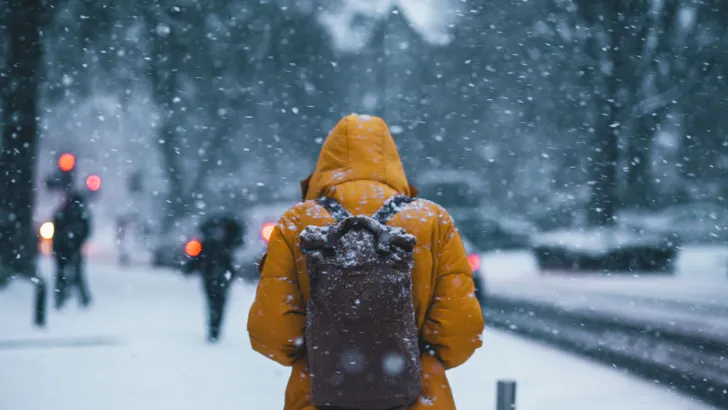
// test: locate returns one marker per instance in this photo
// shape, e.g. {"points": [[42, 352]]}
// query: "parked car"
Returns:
{"points": [[461, 193], [560, 209], [490, 231], [170, 250], [695, 223], [452, 189], [607, 249], [474, 259], [173, 249]]}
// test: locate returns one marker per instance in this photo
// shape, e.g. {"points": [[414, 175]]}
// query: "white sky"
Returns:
{"points": [[430, 18]]}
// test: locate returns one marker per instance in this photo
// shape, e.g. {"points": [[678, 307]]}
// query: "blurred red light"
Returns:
{"points": [[93, 182], [66, 162], [474, 261], [193, 248]]}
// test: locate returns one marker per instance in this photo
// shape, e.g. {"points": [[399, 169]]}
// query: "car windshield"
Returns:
{"points": [[181, 230], [451, 194], [478, 229], [256, 216]]}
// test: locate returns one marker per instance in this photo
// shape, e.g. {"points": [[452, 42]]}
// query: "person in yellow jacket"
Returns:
{"points": [[359, 166]]}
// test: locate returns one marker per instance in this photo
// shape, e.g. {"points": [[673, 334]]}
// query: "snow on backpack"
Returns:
{"points": [[361, 333]]}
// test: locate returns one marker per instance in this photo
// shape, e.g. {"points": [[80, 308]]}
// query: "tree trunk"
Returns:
{"points": [[175, 195], [603, 200], [639, 187], [166, 52], [19, 145]]}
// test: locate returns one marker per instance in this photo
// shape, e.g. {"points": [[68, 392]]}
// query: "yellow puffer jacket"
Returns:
{"points": [[360, 167]]}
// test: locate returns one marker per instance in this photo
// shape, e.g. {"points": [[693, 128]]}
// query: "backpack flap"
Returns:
{"points": [[316, 243]]}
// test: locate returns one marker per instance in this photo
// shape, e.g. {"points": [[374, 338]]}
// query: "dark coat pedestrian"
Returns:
{"points": [[221, 235], [72, 227]]}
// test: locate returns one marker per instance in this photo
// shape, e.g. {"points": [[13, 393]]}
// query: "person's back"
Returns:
{"points": [[359, 167], [72, 225], [221, 234]]}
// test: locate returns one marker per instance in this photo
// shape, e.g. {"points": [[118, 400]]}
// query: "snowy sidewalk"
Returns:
{"points": [[141, 346]]}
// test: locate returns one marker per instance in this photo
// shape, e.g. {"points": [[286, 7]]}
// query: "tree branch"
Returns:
{"points": [[651, 104]]}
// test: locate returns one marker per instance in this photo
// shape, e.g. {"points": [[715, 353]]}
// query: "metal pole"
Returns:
{"points": [[39, 317], [506, 398]]}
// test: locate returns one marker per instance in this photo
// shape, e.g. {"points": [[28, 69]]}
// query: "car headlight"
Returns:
{"points": [[474, 261], [267, 230], [193, 248]]}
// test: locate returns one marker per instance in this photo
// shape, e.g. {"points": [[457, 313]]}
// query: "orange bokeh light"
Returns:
{"points": [[267, 230], [93, 182], [66, 162], [193, 248]]}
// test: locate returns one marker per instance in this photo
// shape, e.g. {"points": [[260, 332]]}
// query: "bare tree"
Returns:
{"points": [[166, 62], [20, 134], [638, 72]]}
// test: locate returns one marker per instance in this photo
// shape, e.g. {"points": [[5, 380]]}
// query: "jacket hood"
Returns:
{"points": [[359, 148]]}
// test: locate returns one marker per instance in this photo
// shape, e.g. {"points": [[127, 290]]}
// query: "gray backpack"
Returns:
{"points": [[361, 333]]}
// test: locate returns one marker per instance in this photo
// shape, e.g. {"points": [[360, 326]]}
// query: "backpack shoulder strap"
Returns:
{"points": [[391, 207], [334, 208]]}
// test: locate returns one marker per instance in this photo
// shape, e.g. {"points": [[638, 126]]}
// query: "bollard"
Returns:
{"points": [[39, 317], [506, 398]]}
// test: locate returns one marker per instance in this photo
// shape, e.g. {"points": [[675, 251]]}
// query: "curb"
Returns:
{"points": [[694, 365]]}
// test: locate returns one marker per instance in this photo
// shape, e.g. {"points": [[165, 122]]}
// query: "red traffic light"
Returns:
{"points": [[66, 162], [93, 182]]}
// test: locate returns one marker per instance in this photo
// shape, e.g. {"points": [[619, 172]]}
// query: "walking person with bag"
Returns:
{"points": [[221, 235], [72, 225], [365, 291]]}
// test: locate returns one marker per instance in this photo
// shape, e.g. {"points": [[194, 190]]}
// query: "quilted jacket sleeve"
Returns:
{"points": [[277, 317], [454, 322]]}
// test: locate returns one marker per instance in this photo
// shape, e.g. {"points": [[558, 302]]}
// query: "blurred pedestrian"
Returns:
{"points": [[72, 226], [122, 230], [221, 235]]}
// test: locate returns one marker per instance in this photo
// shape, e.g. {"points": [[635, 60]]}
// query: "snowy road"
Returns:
{"points": [[141, 346], [694, 298]]}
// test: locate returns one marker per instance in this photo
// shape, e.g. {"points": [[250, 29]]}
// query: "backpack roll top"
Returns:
{"points": [[385, 238]]}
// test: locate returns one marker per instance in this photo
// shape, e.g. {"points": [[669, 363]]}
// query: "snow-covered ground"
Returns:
{"points": [[141, 346]]}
